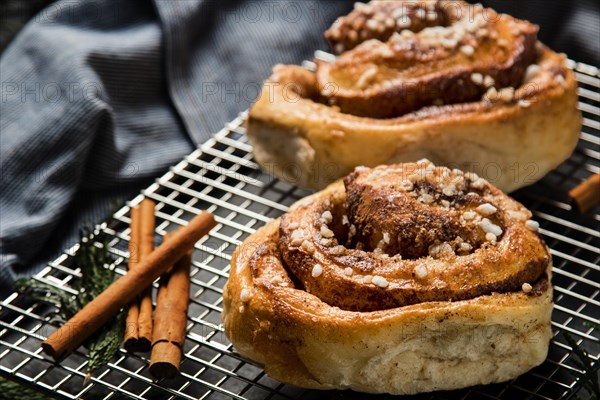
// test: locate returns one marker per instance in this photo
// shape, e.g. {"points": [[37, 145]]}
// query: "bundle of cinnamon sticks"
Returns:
{"points": [[171, 261]]}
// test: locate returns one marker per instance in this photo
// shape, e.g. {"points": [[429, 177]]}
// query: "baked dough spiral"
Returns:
{"points": [[400, 279], [455, 83], [441, 64]]}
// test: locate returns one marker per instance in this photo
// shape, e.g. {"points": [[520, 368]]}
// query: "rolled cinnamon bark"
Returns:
{"points": [[586, 195], [146, 247], [164, 278], [170, 320], [131, 324], [104, 307]]}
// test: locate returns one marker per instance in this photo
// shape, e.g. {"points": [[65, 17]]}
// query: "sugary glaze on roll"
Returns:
{"points": [[437, 53], [412, 79], [548, 78], [469, 50], [409, 234], [381, 19], [371, 272]]}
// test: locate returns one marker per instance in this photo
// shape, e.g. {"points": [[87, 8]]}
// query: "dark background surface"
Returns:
{"points": [[571, 27]]}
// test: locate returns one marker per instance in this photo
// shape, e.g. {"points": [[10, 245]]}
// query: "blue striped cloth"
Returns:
{"points": [[100, 97]]}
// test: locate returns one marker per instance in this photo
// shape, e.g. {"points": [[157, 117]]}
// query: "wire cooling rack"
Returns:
{"points": [[221, 176]]}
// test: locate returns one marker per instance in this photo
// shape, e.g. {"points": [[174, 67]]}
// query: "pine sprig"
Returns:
{"points": [[590, 369], [66, 304], [104, 344], [93, 261], [10, 390]]}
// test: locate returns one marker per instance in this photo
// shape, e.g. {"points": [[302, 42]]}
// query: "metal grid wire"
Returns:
{"points": [[221, 176]]}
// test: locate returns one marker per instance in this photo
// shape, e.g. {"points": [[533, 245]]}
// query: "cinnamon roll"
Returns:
{"points": [[399, 279], [455, 83]]}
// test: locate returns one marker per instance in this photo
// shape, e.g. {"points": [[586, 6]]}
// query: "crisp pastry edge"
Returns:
{"points": [[512, 146], [418, 348]]}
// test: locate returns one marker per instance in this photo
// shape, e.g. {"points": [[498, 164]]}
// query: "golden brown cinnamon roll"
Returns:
{"points": [[458, 84], [400, 279]]}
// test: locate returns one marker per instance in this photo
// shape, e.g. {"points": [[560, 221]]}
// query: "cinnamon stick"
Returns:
{"points": [[164, 278], [104, 307], [586, 195], [131, 323], [146, 246], [171, 319]]}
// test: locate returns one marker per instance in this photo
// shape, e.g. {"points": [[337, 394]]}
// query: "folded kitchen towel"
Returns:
{"points": [[100, 97]]}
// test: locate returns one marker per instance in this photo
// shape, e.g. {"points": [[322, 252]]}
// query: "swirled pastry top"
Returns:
{"points": [[403, 234], [379, 282], [458, 84], [427, 53]]}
